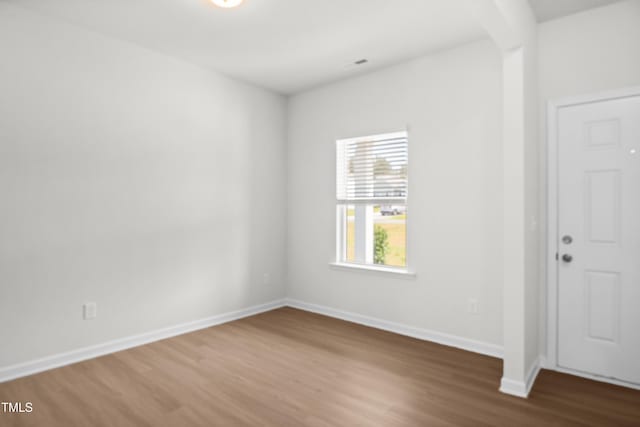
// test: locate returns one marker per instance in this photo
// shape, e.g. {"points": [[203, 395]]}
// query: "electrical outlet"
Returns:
{"points": [[89, 310], [473, 306], [266, 279]]}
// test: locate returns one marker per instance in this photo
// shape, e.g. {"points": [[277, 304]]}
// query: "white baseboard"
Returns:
{"points": [[55, 361], [411, 331], [521, 388], [597, 378]]}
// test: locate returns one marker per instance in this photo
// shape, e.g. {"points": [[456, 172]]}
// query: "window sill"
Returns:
{"points": [[383, 271]]}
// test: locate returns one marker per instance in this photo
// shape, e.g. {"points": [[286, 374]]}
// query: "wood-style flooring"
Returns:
{"points": [[292, 368]]}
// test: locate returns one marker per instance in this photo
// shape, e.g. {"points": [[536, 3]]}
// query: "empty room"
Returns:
{"points": [[319, 213]]}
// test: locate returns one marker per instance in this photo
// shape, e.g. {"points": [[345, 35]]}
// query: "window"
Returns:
{"points": [[371, 193]]}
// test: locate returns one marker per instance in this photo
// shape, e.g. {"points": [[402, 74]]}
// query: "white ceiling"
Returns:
{"points": [[546, 10], [284, 45]]}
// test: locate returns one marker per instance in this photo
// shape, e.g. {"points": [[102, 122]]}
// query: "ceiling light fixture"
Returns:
{"points": [[227, 3]]}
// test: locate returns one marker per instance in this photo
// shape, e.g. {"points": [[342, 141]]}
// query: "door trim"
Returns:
{"points": [[553, 107]]}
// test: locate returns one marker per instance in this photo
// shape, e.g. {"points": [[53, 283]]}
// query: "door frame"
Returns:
{"points": [[553, 107]]}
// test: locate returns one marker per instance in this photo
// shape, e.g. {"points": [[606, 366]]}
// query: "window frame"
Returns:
{"points": [[342, 206]]}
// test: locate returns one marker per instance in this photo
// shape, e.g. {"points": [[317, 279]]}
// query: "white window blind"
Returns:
{"points": [[371, 169]]}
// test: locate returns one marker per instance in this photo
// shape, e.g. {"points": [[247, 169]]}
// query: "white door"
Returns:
{"points": [[599, 238]]}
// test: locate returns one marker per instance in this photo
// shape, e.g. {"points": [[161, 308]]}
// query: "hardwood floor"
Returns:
{"points": [[292, 368]]}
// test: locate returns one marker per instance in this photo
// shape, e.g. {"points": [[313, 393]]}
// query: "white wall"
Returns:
{"points": [[532, 196], [451, 102], [146, 184], [512, 26], [589, 52], [154, 187]]}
